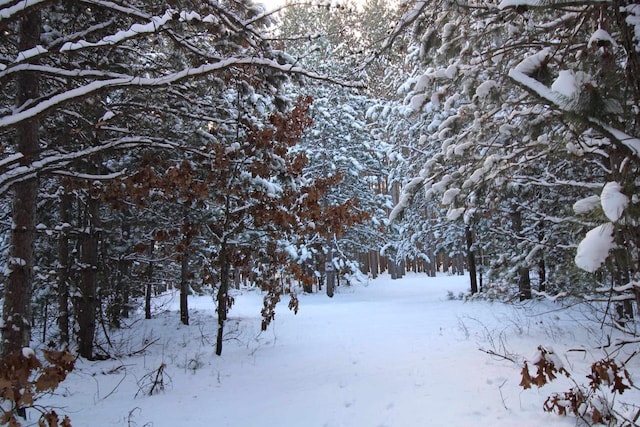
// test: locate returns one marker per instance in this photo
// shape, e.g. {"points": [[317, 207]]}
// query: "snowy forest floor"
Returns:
{"points": [[386, 353]]}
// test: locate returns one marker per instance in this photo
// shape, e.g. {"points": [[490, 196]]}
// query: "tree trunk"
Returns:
{"points": [[63, 266], [445, 261], [431, 266], [622, 277], [471, 260], [16, 314], [542, 274], [373, 262], [392, 268], [149, 287], [330, 273], [87, 300], [184, 288], [365, 263], [222, 297], [524, 281], [542, 268]]}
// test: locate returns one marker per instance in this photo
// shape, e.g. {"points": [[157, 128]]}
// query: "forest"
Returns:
{"points": [[208, 146]]}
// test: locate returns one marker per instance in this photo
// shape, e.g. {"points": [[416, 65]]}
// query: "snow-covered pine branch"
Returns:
{"points": [[140, 82]]}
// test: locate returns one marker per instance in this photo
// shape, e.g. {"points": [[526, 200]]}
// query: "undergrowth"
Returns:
{"points": [[594, 403], [23, 379]]}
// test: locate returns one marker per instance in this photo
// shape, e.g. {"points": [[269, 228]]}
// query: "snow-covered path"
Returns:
{"points": [[392, 353]]}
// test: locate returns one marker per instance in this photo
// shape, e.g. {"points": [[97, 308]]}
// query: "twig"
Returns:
{"points": [[501, 396], [501, 356], [149, 344], [117, 385]]}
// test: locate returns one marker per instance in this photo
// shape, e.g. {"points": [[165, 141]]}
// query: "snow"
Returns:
{"points": [[168, 79], [485, 88], [514, 3], [107, 116], [382, 353], [454, 214], [601, 35], [417, 101], [633, 19], [586, 205], [30, 53], [156, 23], [19, 7], [27, 352], [613, 201], [565, 84], [449, 196], [521, 74], [594, 249]]}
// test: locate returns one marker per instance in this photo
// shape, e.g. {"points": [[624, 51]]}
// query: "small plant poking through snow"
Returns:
{"points": [[154, 381], [593, 404], [548, 365], [23, 378]]}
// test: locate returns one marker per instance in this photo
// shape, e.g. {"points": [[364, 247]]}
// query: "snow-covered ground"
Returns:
{"points": [[387, 353]]}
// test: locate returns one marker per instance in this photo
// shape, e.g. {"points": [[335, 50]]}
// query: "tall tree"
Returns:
{"points": [[93, 78], [16, 321]]}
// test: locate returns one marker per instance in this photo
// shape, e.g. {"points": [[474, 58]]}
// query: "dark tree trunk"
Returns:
{"points": [[223, 295], [373, 262], [149, 287], [432, 264], [184, 289], [16, 313], [622, 277], [542, 274], [445, 262], [184, 269], [392, 268], [542, 267], [471, 260], [365, 263], [330, 273], [123, 290], [64, 267], [87, 300], [524, 281]]}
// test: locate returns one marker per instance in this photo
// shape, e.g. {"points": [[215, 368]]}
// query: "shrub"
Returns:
{"points": [[23, 378]]}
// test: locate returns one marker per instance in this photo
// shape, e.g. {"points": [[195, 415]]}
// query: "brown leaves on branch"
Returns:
{"points": [[251, 184], [546, 369], [607, 372], [585, 403], [23, 376]]}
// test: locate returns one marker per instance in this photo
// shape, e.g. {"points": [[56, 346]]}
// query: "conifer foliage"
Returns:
{"points": [[137, 137], [522, 125]]}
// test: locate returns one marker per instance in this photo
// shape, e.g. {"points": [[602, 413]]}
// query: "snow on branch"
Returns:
{"points": [[521, 74], [96, 86], [594, 249], [135, 30], [547, 4], [54, 162], [18, 8], [407, 19], [61, 72]]}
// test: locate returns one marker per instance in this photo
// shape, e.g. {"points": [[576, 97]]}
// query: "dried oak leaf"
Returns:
{"points": [[526, 377]]}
